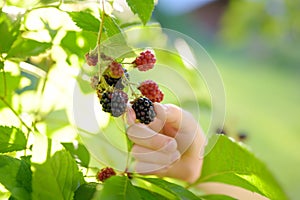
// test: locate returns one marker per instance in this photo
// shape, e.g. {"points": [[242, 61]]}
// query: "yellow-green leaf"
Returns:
{"points": [[142, 8]]}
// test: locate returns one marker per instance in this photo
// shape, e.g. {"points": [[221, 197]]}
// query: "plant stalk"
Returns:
{"points": [[99, 39]]}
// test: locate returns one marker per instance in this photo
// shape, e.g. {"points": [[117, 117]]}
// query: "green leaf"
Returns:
{"points": [[11, 139], [70, 43], [15, 175], [149, 195], [79, 153], [23, 48], [11, 83], [179, 191], [52, 32], [86, 21], [110, 26], [85, 191], [24, 175], [57, 178], [9, 30], [118, 187], [84, 85], [230, 163], [143, 8]]}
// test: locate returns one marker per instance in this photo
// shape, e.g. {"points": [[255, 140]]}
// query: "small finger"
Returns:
{"points": [[144, 136], [147, 155], [149, 168]]}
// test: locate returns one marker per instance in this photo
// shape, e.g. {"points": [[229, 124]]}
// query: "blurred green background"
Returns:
{"points": [[255, 45]]}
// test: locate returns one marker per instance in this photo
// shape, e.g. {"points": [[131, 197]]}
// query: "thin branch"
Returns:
{"points": [[46, 6], [49, 148], [16, 114], [42, 92], [27, 136], [99, 38], [4, 83]]}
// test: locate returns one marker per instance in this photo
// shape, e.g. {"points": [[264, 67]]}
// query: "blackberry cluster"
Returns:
{"points": [[105, 173], [144, 110], [113, 78], [151, 90]]}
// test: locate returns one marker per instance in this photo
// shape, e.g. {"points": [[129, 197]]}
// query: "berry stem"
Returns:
{"points": [[99, 39], [49, 148], [130, 87], [125, 63]]}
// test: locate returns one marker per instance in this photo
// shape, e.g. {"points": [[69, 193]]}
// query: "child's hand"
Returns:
{"points": [[172, 145]]}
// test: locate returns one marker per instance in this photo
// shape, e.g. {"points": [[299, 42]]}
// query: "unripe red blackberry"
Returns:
{"points": [[144, 110], [116, 70], [105, 173], [145, 61], [158, 97], [91, 58], [151, 90]]}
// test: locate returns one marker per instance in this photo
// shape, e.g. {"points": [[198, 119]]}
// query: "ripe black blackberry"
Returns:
{"points": [[105, 101], [144, 110], [118, 103], [114, 102], [111, 81], [105, 173]]}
